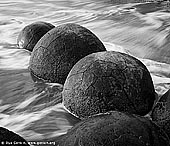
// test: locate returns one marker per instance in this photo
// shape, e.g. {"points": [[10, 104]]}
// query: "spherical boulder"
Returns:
{"points": [[106, 81], [115, 129], [10, 138], [31, 34], [57, 51], [161, 112]]}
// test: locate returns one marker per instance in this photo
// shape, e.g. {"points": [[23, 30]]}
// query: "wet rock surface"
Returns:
{"points": [[106, 81], [10, 138], [161, 112], [32, 33], [115, 128], [56, 53]]}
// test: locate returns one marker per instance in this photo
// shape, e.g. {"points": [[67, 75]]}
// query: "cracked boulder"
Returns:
{"points": [[115, 129], [58, 50], [31, 34], [105, 81], [161, 112]]}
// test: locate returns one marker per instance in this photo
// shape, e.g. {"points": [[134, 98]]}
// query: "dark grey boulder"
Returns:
{"points": [[8, 137], [105, 81], [115, 129], [58, 50], [31, 34], [161, 112]]}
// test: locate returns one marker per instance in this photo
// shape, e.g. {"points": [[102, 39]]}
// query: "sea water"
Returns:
{"points": [[35, 110]]}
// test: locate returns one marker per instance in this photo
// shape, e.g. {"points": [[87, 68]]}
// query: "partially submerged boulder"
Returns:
{"points": [[31, 34], [161, 112], [105, 81], [115, 129], [57, 51], [10, 138]]}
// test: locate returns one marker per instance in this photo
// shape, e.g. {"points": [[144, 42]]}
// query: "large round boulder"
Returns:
{"points": [[57, 51], [115, 129], [31, 34], [106, 81], [10, 138], [161, 112]]}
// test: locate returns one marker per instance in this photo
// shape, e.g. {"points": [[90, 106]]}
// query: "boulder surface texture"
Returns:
{"points": [[105, 81], [31, 34], [115, 129], [58, 50]]}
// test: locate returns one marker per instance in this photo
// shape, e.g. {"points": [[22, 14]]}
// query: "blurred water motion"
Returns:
{"points": [[35, 110]]}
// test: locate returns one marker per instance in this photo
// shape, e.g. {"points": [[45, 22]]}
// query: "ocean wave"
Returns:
{"points": [[35, 110]]}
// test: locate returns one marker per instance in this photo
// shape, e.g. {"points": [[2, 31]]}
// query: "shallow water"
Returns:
{"points": [[34, 110]]}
